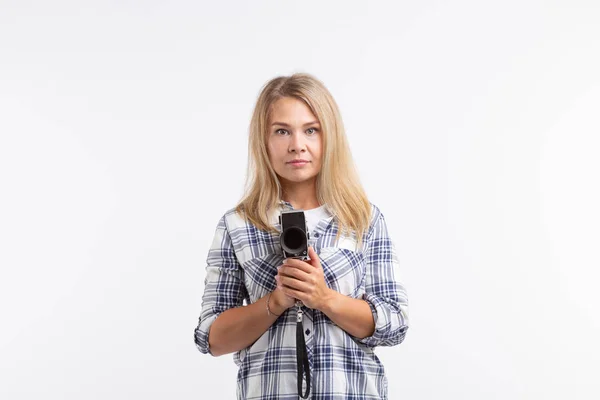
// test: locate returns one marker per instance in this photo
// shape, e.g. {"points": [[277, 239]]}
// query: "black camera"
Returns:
{"points": [[294, 235]]}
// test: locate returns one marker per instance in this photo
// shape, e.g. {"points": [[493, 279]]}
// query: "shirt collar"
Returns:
{"points": [[285, 203]]}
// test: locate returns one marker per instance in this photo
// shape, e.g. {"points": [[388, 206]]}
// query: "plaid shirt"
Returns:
{"points": [[241, 266]]}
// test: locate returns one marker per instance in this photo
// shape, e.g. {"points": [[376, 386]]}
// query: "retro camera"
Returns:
{"points": [[294, 235]]}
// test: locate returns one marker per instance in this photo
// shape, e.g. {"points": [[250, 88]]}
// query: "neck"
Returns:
{"points": [[302, 196]]}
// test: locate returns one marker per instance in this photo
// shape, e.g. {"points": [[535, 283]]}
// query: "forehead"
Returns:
{"points": [[290, 110]]}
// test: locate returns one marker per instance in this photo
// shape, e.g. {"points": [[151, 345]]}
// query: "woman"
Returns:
{"points": [[352, 298]]}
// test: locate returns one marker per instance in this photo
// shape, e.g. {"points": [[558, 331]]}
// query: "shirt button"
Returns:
{"points": [[307, 331], [317, 234]]}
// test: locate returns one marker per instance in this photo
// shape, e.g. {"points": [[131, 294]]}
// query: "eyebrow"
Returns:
{"points": [[284, 124]]}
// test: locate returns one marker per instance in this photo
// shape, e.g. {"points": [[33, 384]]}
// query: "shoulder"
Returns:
{"points": [[231, 220], [376, 214], [377, 221]]}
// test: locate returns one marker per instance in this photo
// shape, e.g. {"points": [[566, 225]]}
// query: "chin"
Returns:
{"points": [[296, 178]]}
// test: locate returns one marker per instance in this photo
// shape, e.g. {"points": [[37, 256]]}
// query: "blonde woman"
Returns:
{"points": [[348, 295]]}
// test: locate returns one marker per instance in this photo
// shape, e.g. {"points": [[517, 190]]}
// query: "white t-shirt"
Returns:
{"points": [[313, 217]]}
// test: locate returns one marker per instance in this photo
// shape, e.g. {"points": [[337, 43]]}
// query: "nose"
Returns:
{"points": [[296, 143]]}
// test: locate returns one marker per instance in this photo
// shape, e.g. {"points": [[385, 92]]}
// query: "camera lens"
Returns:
{"points": [[293, 239]]}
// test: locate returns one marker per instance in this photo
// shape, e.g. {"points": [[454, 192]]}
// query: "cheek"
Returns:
{"points": [[271, 149], [319, 155], [275, 152], [319, 148]]}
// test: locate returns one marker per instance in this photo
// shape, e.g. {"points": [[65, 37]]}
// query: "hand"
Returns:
{"points": [[304, 280], [280, 301]]}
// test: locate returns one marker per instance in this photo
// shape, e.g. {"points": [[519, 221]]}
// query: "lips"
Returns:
{"points": [[298, 162]]}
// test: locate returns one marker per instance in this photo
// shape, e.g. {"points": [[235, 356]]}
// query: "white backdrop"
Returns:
{"points": [[474, 126]]}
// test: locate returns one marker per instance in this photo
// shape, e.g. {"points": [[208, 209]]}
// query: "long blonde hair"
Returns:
{"points": [[337, 184]]}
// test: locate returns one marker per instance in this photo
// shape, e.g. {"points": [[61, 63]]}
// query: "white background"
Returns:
{"points": [[474, 125]]}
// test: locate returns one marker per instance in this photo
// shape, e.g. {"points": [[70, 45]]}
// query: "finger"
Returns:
{"points": [[297, 273], [302, 265], [294, 283], [315, 261], [312, 254], [294, 293]]}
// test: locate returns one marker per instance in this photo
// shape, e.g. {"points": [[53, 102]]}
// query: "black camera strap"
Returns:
{"points": [[301, 356]]}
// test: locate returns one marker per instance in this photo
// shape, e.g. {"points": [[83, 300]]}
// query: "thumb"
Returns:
{"points": [[314, 258]]}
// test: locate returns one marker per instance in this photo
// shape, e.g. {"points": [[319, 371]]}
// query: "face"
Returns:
{"points": [[294, 134]]}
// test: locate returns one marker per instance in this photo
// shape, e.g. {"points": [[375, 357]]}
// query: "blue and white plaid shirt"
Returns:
{"points": [[241, 266]]}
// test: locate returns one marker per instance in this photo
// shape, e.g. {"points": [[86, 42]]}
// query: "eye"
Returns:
{"points": [[280, 130], [313, 129]]}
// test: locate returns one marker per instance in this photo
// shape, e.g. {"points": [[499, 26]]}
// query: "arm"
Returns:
{"points": [[239, 327], [231, 325], [384, 292], [352, 315]]}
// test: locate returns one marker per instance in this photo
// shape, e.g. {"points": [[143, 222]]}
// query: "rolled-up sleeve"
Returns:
{"points": [[384, 292], [224, 286]]}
